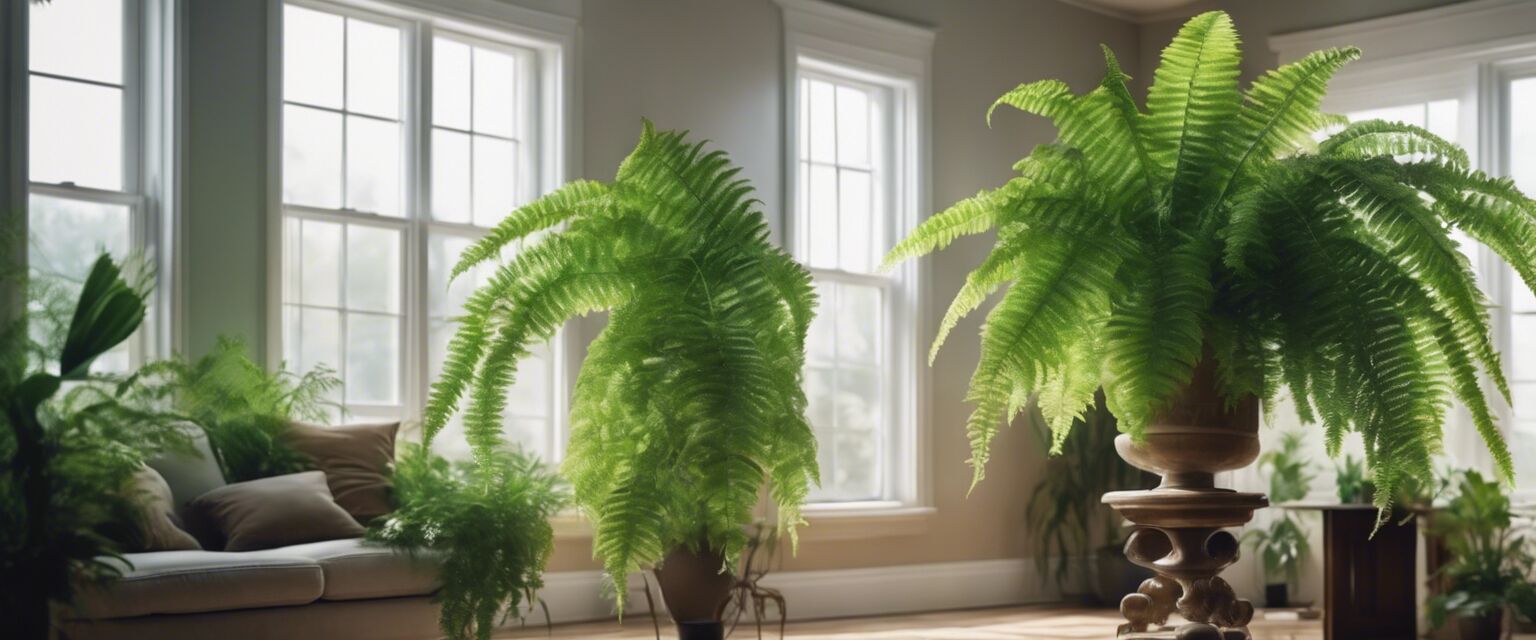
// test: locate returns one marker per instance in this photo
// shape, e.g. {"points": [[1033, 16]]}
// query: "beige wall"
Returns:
{"points": [[716, 67]]}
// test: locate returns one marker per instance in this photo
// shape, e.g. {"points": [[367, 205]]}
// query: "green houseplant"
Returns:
{"points": [[1209, 226], [66, 456], [1066, 520], [1350, 477], [1490, 567], [242, 408], [1283, 545], [488, 526], [690, 399]]}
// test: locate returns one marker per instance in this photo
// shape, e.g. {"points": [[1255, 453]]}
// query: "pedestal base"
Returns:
{"points": [[1180, 535]]}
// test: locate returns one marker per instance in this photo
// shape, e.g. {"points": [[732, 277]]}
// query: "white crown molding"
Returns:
{"points": [[1463, 26], [836, 23], [578, 596], [1139, 18]]}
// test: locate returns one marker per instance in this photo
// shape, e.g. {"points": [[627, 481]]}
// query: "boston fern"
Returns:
{"points": [[1213, 221], [690, 398]]}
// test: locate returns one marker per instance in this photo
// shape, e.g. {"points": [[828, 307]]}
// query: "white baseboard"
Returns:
{"points": [[811, 595]]}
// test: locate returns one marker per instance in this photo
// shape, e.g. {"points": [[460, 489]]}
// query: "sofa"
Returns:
{"points": [[330, 590]]}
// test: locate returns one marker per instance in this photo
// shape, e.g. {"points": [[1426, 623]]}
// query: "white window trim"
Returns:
{"points": [[897, 55], [553, 39], [1469, 51], [153, 42]]}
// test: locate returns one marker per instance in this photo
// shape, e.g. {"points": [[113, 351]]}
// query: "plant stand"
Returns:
{"points": [[1179, 526]]}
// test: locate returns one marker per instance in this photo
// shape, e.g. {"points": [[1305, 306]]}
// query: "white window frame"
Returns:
{"points": [[1469, 51], [550, 42], [152, 42], [856, 47]]}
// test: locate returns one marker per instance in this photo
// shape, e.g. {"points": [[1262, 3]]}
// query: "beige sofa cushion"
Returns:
{"points": [[357, 461], [159, 528], [274, 512], [355, 572], [197, 581]]}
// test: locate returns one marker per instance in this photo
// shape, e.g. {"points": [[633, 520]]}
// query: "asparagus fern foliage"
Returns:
{"points": [[690, 399], [1211, 219]]}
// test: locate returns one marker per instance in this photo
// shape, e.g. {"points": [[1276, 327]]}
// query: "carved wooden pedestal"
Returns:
{"points": [[1179, 526]]}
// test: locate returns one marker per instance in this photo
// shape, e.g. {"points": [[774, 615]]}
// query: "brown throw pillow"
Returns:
{"points": [[159, 528], [356, 459], [275, 512]]}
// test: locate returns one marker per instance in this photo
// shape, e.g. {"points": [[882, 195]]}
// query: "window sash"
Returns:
{"points": [[415, 222]]}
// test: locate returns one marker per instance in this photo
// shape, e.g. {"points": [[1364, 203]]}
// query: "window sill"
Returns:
{"points": [[824, 521], [864, 520]]}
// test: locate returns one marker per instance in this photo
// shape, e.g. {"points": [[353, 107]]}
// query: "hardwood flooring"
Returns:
{"points": [[1028, 623]]}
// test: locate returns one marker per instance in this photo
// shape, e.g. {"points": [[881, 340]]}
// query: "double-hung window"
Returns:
{"points": [[856, 175], [405, 138], [93, 149]]}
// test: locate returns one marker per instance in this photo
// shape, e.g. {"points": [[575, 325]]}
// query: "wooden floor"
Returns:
{"points": [[984, 624]]}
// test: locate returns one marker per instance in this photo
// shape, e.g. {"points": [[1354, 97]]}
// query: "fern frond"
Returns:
{"points": [[1372, 138], [1192, 101], [553, 208]]}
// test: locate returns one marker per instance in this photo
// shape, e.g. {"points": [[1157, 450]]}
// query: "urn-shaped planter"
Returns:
{"points": [[1179, 526], [696, 591]]}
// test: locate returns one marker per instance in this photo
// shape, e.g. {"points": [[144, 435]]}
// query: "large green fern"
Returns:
{"points": [[1212, 220], [690, 399]]}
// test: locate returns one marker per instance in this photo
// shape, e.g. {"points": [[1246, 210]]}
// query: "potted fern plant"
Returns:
{"points": [[690, 399], [1192, 257]]}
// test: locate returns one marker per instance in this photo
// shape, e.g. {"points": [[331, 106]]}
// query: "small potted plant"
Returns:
{"points": [[1283, 544], [1490, 567], [1353, 484], [1065, 519], [689, 401]]}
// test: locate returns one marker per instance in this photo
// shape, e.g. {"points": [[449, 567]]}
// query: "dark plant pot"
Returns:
{"points": [[1488, 627], [695, 590], [701, 630], [1277, 596], [1115, 576]]}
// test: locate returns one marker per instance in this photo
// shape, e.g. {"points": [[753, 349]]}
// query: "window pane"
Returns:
{"points": [[1408, 114], [858, 323], [823, 123], [1524, 394], [373, 166], [312, 57], [373, 269], [318, 336], [804, 125], [532, 434], [852, 127], [529, 394], [446, 299], [821, 216], [820, 340], [495, 179], [494, 81], [1523, 358], [450, 176], [311, 157], [1522, 134], [1523, 301], [320, 263], [78, 38], [76, 133], [373, 359], [857, 232], [1443, 118], [859, 440], [450, 83], [373, 68], [68, 235]]}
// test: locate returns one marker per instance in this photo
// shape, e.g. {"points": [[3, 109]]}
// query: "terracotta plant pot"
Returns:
{"points": [[695, 591]]}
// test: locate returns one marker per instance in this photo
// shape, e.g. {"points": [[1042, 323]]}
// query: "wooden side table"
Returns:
{"points": [[1368, 583]]}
